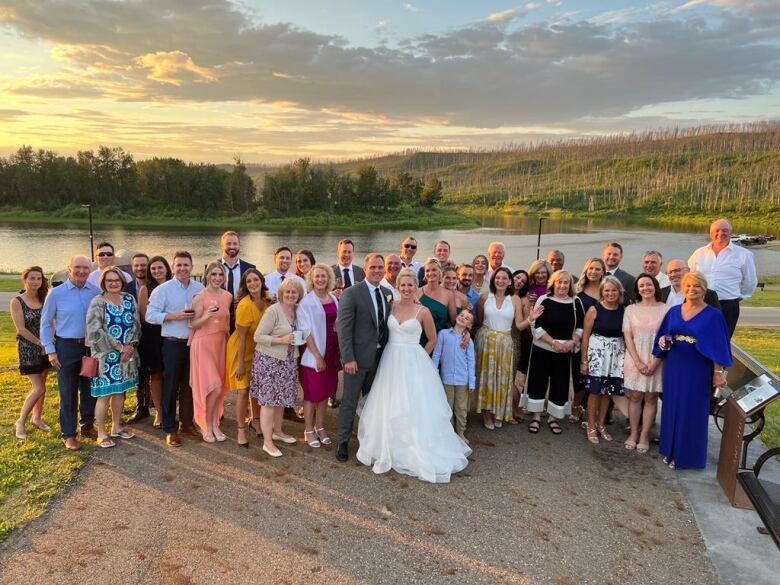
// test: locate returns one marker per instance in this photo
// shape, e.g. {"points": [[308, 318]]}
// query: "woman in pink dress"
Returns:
{"points": [[208, 338], [320, 363], [642, 371]]}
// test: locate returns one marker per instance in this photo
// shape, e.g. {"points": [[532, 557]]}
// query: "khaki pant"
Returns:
{"points": [[458, 399]]}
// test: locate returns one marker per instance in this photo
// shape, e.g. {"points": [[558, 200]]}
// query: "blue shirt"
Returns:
{"points": [[473, 297], [456, 364], [170, 297], [66, 308]]}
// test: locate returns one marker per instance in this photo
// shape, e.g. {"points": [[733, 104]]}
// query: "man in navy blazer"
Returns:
{"points": [[233, 266], [612, 255]]}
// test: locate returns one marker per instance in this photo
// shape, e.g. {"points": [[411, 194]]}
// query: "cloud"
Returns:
{"points": [[410, 7], [503, 16], [488, 74]]}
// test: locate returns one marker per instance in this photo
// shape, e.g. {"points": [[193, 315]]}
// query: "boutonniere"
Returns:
{"points": [[389, 298]]}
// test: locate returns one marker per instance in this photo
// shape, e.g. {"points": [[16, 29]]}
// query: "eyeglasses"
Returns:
{"points": [[104, 254], [410, 246], [112, 281]]}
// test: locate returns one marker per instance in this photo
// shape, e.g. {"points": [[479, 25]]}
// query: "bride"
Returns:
{"points": [[405, 424]]}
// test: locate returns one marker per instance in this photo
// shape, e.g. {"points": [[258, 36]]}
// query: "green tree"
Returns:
{"points": [[431, 192]]}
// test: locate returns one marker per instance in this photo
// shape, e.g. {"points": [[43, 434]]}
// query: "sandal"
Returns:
{"points": [[642, 447], [534, 426], [629, 445], [123, 434], [555, 428], [242, 445], [592, 435], [105, 443], [604, 434], [324, 439], [258, 430], [576, 414], [314, 442]]}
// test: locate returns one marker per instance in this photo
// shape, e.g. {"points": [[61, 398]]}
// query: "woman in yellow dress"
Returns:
{"points": [[253, 301]]}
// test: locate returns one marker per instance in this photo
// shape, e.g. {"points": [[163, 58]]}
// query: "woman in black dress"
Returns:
{"points": [[33, 362], [557, 334], [150, 348]]}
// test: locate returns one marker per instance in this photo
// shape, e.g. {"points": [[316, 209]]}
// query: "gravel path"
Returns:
{"points": [[528, 510]]}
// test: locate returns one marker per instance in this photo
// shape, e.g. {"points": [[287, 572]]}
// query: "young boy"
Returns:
{"points": [[457, 369]]}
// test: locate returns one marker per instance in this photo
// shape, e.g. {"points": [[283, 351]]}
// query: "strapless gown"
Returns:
{"points": [[405, 423]]}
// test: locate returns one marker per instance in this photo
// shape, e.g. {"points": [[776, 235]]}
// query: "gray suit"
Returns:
{"points": [[357, 271], [361, 339]]}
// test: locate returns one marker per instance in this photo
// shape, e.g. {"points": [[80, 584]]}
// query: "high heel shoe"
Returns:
{"points": [[42, 426], [324, 439], [19, 430], [314, 441], [257, 429], [604, 434], [592, 435], [242, 445]]}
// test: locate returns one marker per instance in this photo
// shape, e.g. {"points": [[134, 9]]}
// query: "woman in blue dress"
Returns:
{"points": [[694, 342], [113, 331]]}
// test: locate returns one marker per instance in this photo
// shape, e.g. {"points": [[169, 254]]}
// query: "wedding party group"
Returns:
{"points": [[414, 346]]}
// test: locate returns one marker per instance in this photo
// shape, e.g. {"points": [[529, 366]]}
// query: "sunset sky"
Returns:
{"points": [[205, 80]]}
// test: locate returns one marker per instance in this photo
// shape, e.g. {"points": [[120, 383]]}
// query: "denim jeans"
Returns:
{"points": [[74, 389]]}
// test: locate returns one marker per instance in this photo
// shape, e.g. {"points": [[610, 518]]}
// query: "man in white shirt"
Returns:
{"points": [[282, 262], [346, 273], [495, 253], [651, 264], [729, 269], [408, 250], [392, 268], [672, 295], [104, 252]]}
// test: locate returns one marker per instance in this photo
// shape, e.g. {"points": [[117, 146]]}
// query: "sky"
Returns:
{"points": [[272, 81]]}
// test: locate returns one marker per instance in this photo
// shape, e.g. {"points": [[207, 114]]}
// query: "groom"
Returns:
{"points": [[362, 331]]}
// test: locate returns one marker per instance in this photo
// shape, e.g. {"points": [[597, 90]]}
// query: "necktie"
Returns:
{"points": [[380, 309], [347, 279], [282, 278], [230, 280]]}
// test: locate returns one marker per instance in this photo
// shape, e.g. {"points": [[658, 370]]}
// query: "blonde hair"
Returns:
{"points": [[555, 277], [289, 283], [696, 276], [536, 265], [328, 271], [583, 281], [406, 273], [609, 279]]}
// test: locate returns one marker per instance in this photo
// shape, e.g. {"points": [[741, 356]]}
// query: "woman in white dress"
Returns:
{"points": [[405, 423]]}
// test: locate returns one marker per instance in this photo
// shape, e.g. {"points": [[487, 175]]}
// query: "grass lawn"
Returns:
{"points": [[769, 297], [32, 472], [10, 285], [764, 345]]}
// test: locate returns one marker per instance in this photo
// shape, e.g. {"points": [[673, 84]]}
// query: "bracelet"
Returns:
{"points": [[723, 371]]}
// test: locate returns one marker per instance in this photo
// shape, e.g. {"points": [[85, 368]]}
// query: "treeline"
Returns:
{"points": [[41, 180], [702, 169], [302, 186], [109, 179]]}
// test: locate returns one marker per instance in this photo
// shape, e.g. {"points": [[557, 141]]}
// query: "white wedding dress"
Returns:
{"points": [[405, 423]]}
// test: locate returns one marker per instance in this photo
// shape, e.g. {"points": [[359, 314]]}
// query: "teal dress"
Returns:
{"points": [[439, 312], [119, 322]]}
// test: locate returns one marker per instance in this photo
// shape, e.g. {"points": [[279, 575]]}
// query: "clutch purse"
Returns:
{"points": [[89, 367]]}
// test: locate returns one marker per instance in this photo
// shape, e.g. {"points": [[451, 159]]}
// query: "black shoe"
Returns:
{"points": [[333, 402], [139, 415], [342, 453]]}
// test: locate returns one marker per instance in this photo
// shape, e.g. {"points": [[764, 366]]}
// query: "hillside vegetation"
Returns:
{"points": [[701, 170]]}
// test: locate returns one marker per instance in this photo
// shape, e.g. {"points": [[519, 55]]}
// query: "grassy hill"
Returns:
{"points": [[707, 170]]}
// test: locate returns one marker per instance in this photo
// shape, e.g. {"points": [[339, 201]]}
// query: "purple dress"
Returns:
{"points": [[319, 386]]}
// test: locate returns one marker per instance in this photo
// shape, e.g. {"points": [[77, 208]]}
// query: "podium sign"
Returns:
{"points": [[753, 388], [731, 453]]}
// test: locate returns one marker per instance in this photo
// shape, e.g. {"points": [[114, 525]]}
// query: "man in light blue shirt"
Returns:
{"points": [[465, 278], [65, 309], [170, 305], [456, 365]]}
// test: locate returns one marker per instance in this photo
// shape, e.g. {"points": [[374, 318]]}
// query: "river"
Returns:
{"points": [[49, 246]]}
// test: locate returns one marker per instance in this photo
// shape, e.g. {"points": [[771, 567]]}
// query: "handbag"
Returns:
{"points": [[89, 367]]}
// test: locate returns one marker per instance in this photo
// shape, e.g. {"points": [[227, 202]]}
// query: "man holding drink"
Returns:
{"points": [[170, 306]]}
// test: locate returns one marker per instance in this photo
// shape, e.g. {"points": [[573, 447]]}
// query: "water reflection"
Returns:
{"points": [[50, 246]]}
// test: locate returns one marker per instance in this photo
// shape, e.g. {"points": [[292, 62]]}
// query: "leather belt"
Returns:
{"points": [[73, 340], [176, 339]]}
